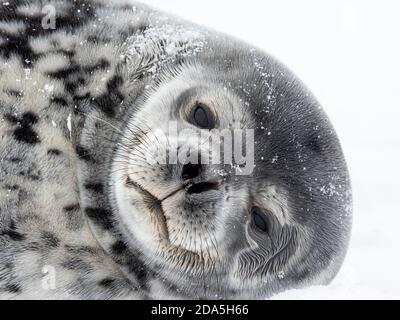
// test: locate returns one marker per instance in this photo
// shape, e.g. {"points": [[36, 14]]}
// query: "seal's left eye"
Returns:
{"points": [[202, 117], [260, 220]]}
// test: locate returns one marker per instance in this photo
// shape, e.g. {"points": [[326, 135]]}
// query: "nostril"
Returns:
{"points": [[190, 171]]}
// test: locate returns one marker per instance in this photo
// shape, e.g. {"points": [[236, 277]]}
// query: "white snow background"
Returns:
{"points": [[348, 54]]}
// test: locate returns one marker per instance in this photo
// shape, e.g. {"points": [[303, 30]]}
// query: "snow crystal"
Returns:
{"points": [[27, 73], [49, 88], [158, 45], [221, 172], [69, 124]]}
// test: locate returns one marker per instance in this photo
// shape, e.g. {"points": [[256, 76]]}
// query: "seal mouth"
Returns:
{"points": [[153, 204], [187, 260]]}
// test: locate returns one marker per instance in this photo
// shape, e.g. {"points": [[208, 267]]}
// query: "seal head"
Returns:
{"points": [[226, 229]]}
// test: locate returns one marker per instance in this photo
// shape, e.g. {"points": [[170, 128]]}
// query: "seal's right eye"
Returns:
{"points": [[202, 117]]}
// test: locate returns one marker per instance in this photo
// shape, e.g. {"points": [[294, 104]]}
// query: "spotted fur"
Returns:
{"points": [[65, 94], [48, 79]]}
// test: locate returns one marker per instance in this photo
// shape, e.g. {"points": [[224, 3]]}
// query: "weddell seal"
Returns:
{"points": [[111, 185]]}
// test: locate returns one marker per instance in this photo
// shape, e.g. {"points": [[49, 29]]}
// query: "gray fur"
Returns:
{"points": [[70, 100]]}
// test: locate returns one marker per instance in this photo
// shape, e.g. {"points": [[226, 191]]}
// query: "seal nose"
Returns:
{"points": [[190, 171]]}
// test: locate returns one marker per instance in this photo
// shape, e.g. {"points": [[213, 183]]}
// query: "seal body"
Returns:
{"points": [[84, 213]]}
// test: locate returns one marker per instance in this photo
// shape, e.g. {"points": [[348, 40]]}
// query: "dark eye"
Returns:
{"points": [[260, 220], [202, 117]]}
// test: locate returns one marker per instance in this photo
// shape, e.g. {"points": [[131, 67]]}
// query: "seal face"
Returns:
{"points": [[283, 224], [150, 158]]}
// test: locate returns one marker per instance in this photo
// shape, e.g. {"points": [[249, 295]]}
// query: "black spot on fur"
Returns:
{"points": [[60, 101], [119, 248], [12, 188], [140, 270], [16, 160], [81, 250], [101, 217], [81, 81], [18, 45], [93, 39], [13, 288], [24, 131], [96, 187], [107, 282], [71, 87], [101, 65], [54, 152], [14, 235], [30, 175], [132, 260], [50, 239], [71, 18], [65, 53], [77, 13], [79, 98], [64, 73], [111, 99], [11, 118], [83, 153], [71, 76], [27, 135], [12, 225], [71, 208], [77, 263], [15, 93], [29, 119]]}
